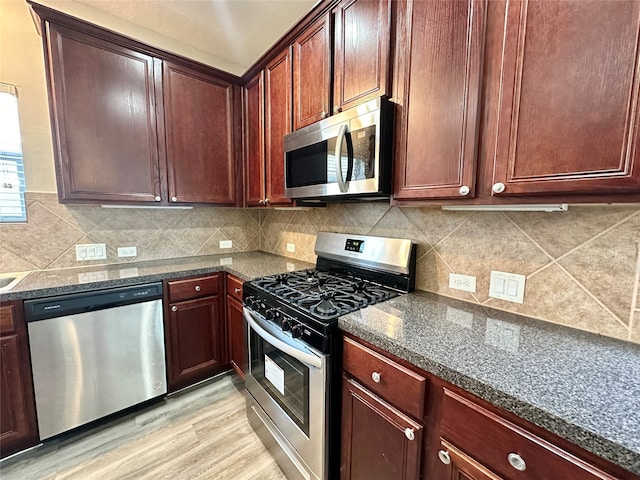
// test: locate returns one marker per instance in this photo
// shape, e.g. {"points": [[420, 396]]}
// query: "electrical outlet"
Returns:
{"points": [[291, 247], [507, 286], [127, 251], [466, 283], [226, 244], [91, 251]]}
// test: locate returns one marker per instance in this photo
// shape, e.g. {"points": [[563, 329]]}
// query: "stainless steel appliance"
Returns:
{"points": [[294, 348], [94, 354], [345, 156]]}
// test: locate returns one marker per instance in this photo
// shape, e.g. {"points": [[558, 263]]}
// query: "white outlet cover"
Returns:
{"points": [[127, 251], [291, 247], [466, 283], [226, 244], [507, 286]]}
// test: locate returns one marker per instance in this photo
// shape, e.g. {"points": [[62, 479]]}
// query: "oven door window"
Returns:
{"points": [[284, 378]]}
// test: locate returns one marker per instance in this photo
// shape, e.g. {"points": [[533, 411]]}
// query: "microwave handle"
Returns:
{"points": [[338, 158]]}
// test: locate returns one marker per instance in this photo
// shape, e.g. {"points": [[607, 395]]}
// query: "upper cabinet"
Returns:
{"points": [[438, 83], [267, 107], [568, 110], [361, 52], [312, 73], [130, 125], [199, 125]]}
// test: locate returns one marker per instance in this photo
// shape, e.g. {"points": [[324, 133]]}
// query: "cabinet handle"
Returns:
{"points": [[198, 288], [498, 187], [375, 376], [174, 309], [517, 462], [174, 199], [409, 433], [158, 198], [464, 190], [237, 290], [323, 114], [444, 457]]}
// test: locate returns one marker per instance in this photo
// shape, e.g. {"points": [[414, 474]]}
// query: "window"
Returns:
{"points": [[12, 184]]}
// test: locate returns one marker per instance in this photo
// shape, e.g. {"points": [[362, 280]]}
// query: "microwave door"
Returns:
{"points": [[343, 138]]}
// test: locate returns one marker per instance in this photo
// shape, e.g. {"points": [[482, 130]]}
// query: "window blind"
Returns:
{"points": [[12, 183]]}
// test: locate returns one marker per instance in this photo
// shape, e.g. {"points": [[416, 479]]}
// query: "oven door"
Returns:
{"points": [[288, 380]]}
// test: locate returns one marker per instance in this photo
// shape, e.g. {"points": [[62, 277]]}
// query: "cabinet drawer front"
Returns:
{"points": [[491, 439], [234, 287], [397, 384], [7, 319], [194, 288]]}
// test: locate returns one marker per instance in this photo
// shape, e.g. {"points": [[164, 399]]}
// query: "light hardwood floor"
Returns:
{"points": [[201, 434]]}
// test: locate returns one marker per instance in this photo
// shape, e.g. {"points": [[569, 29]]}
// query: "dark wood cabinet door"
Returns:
{"points": [[461, 466], [569, 98], [361, 55], [312, 73], [196, 341], [18, 428], [254, 141], [235, 329], [375, 441], [199, 127], [103, 114], [439, 63], [278, 118]]}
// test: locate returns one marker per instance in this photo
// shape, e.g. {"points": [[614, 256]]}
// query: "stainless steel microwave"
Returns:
{"points": [[344, 157]]}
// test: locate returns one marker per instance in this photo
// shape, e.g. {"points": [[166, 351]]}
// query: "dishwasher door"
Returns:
{"points": [[89, 365]]}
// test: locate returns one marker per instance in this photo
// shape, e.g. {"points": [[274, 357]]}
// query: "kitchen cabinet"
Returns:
{"points": [[380, 438], [438, 84], [312, 73], [18, 428], [195, 335], [361, 52], [568, 100], [235, 326], [132, 125], [267, 120]]}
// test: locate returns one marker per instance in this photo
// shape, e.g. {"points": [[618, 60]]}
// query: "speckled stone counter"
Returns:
{"points": [[246, 266], [582, 387]]}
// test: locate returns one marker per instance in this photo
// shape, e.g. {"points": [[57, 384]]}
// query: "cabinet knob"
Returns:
{"points": [[158, 198], [266, 200], [337, 109], [237, 290], [409, 433], [198, 288], [174, 199], [375, 376], [444, 457], [323, 114], [517, 462], [174, 309], [261, 202], [498, 187], [464, 190]]}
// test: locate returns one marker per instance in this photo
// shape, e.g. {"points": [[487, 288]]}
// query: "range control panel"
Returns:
{"points": [[354, 245]]}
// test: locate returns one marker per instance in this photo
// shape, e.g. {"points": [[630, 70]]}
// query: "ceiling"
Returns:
{"points": [[235, 31]]}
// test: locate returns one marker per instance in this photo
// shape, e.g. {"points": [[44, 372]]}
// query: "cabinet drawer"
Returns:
{"points": [[194, 288], [491, 440], [397, 384], [7, 319], [234, 287]]}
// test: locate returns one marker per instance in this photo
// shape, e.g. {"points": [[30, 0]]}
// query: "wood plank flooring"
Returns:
{"points": [[201, 434]]}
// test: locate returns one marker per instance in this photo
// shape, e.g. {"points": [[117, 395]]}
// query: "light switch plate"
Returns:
{"points": [[91, 251], [507, 286], [226, 244], [127, 251]]}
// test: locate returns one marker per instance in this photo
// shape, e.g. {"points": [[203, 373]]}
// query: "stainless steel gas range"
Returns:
{"points": [[294, 364]]}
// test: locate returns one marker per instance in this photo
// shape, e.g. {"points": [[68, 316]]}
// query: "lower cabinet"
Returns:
{"points": [[18, 427], [378, 440], [195, 333], [235, 326], [462, 466]]}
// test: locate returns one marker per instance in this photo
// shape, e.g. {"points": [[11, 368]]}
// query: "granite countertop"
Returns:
{"points": [[247, 265], [580, 386]]}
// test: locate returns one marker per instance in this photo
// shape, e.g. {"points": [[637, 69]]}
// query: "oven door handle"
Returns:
{"points": [[307, 358]]}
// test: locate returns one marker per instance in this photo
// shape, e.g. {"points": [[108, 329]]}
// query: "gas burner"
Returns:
{"points": [[371, 292], [330, 304]]}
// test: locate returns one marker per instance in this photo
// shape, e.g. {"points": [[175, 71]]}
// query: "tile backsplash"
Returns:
{"points": [[581, 266]]}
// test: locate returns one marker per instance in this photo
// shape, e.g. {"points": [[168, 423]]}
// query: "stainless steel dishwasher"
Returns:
{"points": [[95, 353]]}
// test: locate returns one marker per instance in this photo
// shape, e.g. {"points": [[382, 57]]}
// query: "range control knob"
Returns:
{"points": [[286, 325], [272, 314], [251, 302], [296, 331]]}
